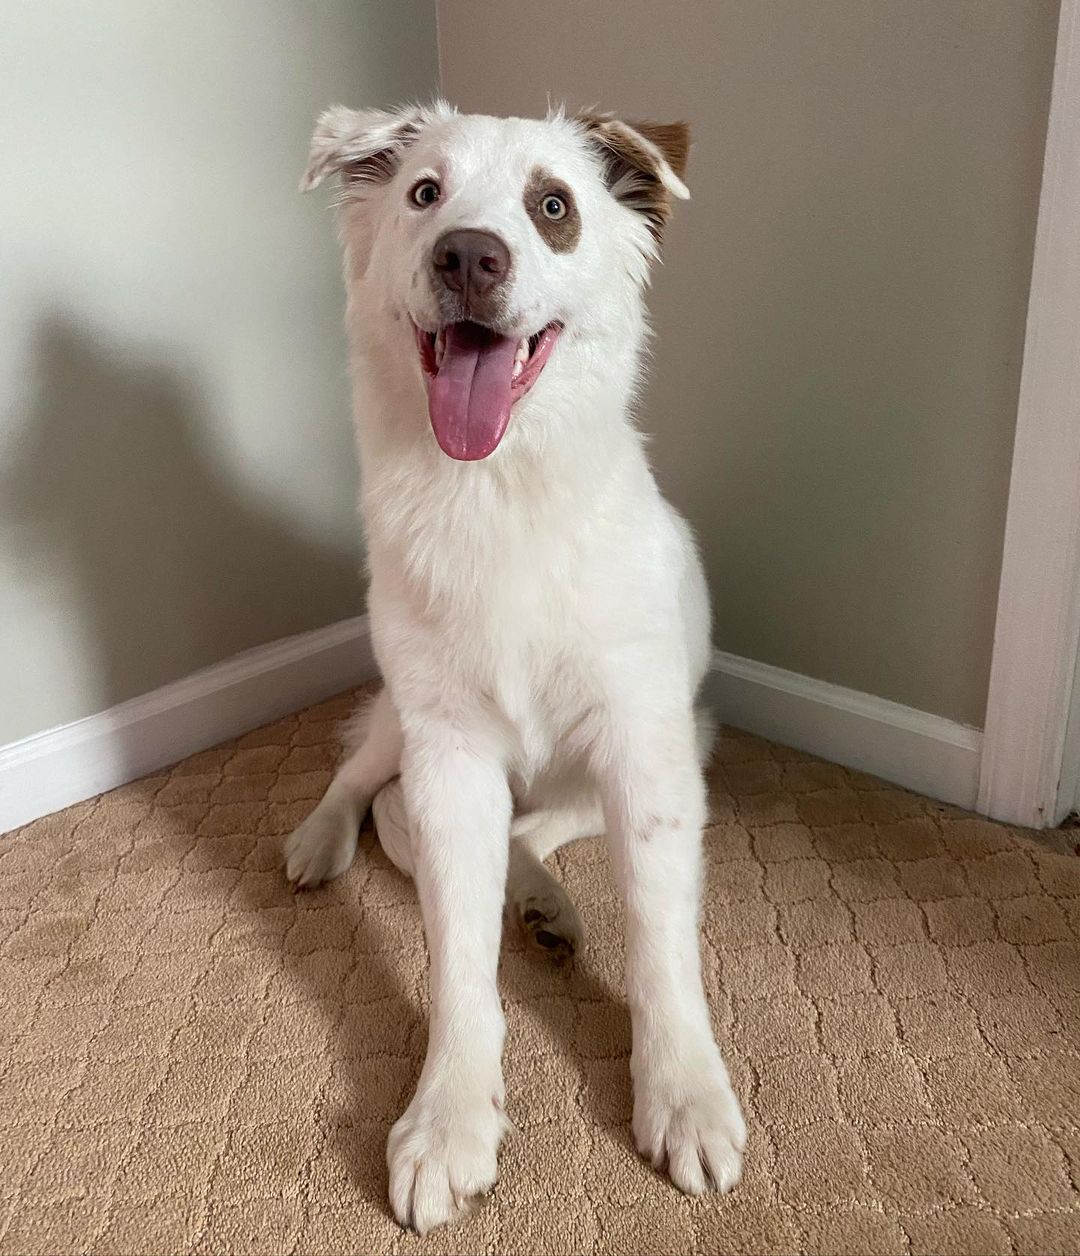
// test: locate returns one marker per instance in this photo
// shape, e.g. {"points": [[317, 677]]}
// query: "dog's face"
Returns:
{"points": [[494, 235]]}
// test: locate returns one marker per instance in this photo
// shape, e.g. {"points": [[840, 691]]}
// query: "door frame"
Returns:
{"points": [[1031, 749]]}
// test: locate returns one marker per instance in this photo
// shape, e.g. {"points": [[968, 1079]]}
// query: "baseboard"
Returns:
{"points": [[922, 752], [61, 766], [53, 769]]}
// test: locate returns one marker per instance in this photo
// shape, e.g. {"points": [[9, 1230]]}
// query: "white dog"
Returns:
{"points": [[538, 610]]}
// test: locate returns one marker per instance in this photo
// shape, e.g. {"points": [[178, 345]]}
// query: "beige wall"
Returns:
{"points": [[841, 312], [176, 470]]}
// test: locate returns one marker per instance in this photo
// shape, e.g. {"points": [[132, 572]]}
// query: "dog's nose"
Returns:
{"points": [[472, 263]]}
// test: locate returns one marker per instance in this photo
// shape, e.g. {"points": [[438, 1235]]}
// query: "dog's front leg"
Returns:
{"points": [[686, 1117], [442, 1151]]}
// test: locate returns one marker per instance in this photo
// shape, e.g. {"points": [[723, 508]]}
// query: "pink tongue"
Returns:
{"points": [[469, 399]]}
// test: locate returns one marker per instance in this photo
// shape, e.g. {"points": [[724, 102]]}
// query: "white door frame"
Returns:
{"points": [[1030, 755]]}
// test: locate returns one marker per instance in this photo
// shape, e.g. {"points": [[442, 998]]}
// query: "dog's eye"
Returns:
{"points": [[425, 193], [554, 207]]}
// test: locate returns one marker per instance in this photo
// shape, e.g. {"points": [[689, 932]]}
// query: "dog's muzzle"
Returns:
{"points": [[472, 268]]}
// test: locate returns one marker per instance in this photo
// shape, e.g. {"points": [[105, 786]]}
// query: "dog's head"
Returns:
{"points": [[493, 235]]}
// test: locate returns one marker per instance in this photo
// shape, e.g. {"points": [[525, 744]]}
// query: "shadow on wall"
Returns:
{"points": [[120, 506]]}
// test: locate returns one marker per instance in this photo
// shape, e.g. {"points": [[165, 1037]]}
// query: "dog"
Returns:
{"points": [[538, 610]]}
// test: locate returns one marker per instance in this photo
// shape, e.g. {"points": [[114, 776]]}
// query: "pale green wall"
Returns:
{"points": [[841, 317], [177, 475], [841, 312]]}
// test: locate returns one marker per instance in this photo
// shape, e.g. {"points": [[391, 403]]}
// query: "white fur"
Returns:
{"points": [[541, 622]]}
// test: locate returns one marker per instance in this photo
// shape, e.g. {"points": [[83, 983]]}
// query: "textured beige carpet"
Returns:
{"points": [[193, 1059]]}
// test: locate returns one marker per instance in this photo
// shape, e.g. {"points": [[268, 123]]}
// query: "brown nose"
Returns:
{"points": [[473, 264]]}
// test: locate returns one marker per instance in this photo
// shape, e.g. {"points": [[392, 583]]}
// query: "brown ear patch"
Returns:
{"points": [[635, 154], [671, 138], [560, 234]]}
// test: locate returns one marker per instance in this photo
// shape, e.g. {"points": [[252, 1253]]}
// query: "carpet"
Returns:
{"points": [[194, 1059]]}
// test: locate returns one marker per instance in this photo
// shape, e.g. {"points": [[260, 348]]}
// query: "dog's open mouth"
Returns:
{"points": [[474, 376]]}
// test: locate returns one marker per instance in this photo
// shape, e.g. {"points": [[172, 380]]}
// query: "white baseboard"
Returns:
{"points": [[61, 766], [53, 769], [920, 751]]}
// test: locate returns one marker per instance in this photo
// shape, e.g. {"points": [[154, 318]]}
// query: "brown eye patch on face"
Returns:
{"points": [[561, 235]]}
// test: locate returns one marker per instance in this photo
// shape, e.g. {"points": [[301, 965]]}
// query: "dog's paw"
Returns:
{"points": [[324, 846], [694, 1129], [548, 919], [442, 1157], [551, 924]]}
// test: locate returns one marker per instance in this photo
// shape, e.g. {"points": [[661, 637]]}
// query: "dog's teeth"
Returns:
{"points": [[518, 368], [522, 354]]}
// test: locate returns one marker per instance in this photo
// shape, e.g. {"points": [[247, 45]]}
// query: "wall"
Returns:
{"points": [[841, 312], [176, 468]]}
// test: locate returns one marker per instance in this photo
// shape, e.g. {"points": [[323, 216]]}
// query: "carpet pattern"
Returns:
{"points": [[193, 1059]]}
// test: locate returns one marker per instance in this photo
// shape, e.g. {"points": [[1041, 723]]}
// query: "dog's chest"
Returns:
{"points": [[496, 556], [489, 606]]}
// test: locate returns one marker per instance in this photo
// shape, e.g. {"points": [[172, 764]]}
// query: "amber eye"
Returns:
{"points": [[425, 193], [554, 207]]}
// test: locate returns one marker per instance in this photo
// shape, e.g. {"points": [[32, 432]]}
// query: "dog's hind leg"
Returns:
{"points": [[392, 826], [324, 846], [534, 897]]}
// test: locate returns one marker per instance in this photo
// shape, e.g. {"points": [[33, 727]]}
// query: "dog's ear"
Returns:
{"points": [[363, 144], [644, 162]]}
